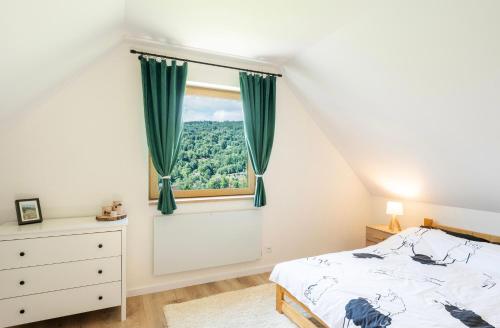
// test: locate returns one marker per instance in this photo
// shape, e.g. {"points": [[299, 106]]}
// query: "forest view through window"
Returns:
{"points": [[213, 158]]}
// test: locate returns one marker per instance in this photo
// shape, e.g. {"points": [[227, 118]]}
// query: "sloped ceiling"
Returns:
{"points": [[410, 94], [269, 30], [407, 90], [44, 41]]}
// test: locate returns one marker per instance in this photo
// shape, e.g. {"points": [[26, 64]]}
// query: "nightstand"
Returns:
{"points": [[375, 233]]}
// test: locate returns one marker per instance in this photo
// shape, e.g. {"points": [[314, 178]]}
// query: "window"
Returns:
{"points": [[213, 158]]}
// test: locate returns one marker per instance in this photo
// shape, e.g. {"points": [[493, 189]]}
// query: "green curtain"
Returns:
{"points": [[163, 89], [258, 94]]}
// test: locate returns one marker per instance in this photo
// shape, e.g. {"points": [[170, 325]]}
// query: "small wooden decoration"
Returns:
{"points": [[118, 207], [106, 210], [112, 213]]}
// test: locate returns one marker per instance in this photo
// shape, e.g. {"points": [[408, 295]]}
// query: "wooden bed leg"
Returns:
{"points": [[280, 298], [293, 314]]}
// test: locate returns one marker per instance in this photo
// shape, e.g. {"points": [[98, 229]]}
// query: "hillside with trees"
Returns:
{"points": [[213, 155]]}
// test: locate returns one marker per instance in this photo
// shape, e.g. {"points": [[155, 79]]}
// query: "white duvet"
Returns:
{"points": [[417, 278]]}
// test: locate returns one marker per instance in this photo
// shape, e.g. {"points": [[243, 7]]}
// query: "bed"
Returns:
{"points": [[421, 277]]}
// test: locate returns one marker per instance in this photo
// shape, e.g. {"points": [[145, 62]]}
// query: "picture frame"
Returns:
{"points": [[28, 211]]}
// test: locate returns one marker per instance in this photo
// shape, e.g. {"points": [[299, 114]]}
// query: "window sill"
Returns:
{"points": [[207, 199]]}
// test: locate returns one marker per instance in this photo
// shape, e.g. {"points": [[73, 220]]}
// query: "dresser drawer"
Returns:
{"points": [[46, 278], [48, 250], [60, 303]]}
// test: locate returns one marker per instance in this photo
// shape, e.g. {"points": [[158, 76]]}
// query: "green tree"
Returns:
{"points": [[212, 155]]}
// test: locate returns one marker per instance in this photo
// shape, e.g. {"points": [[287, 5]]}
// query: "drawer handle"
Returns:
{"points": [[100, 246], [22, 311], [99, 272], [21, 254], [21, 282], [100, 298]]}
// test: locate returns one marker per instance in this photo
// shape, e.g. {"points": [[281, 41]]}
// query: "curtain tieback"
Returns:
{"points": [[259, 175], [166, 177]]}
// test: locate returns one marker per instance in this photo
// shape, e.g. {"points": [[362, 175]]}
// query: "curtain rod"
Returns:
{"points": [[133, 51]]}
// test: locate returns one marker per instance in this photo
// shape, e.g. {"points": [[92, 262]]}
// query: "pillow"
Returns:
{"points": [[453, 251], [462, 235], [411, 241]]}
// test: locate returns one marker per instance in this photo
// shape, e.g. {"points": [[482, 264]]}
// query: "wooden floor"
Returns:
{"points": [[146, 311]]}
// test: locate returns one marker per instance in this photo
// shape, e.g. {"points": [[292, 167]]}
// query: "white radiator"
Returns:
{"points": [[184, 242]]}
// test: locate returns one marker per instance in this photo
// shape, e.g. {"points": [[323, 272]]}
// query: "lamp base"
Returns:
{"points": [[394, 224]]}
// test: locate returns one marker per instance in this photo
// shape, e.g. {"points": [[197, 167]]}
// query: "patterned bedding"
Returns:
{"points": [[417, 278]]}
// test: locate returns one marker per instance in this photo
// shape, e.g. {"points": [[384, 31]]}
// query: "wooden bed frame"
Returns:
{"points": [[491, 238], [295, 316], [301, 321]]}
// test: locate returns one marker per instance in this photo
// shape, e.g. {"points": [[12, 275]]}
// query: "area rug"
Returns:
{"points": [[252, 307]]}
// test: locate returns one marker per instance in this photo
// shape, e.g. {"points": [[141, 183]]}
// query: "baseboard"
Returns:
{"points": [[197, 281]]}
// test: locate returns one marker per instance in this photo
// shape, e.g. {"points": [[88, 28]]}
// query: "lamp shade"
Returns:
{"points": [[394, 208]]}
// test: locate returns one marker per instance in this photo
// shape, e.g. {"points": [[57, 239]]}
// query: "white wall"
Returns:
{"points": [[415, 212], [85, 145]]}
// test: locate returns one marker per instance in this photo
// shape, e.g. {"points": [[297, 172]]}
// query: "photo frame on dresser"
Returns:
{"points": [[28, 211]]}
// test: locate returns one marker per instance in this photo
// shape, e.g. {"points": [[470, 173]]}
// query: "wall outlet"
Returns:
{"points": [[268, 249]]}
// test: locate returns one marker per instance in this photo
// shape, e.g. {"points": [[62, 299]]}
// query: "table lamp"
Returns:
{"points": [[394, 209]]}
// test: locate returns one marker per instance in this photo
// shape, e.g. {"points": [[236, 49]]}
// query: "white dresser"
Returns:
{"points": [[61, 267]]}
